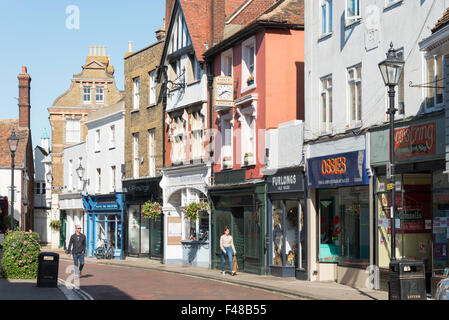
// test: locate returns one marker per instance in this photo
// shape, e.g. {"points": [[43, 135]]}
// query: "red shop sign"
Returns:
{"points": [[415, 140]]}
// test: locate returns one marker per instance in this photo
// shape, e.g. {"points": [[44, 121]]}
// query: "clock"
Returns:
{"points": [[224, 91]]}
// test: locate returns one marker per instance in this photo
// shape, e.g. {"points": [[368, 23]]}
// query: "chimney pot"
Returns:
{"points": [[24, 69], [130, 46], [95, 50], [90, 50]]}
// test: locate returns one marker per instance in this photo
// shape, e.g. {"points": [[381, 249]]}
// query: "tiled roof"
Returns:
{"points": [[444, 21], [286, 11], [23, 135]]}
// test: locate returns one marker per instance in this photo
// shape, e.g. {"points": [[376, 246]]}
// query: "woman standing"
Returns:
{"points": [[227, 248]]}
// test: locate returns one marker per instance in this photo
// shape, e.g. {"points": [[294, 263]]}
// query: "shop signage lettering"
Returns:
{"points": [[415, 140], [106, 205], [346, 169], [285, 182]]}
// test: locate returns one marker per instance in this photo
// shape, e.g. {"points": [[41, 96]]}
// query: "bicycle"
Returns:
{"points": [[105, 251]]}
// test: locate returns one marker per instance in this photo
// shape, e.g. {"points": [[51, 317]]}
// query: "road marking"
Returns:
{"points": [[81, 293]]}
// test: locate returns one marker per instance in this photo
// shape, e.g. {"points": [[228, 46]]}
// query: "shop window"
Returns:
{"points": [[199, 229], [440, 236], [134, 229], [413, 223], [285, 256]]}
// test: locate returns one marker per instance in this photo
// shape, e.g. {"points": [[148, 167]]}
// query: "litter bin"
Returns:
{"points": [[407, 280], [47, 270]]}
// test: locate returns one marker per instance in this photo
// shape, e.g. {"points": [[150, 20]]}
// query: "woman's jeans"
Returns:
{"points": [[223, 258]]}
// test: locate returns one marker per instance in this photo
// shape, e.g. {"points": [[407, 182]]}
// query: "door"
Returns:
{"points": [[238, 234], [134, 230], [63, 231], [156, 237]]}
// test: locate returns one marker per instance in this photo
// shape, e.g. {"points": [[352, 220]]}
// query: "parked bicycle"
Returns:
{"points": [[105, 251]]}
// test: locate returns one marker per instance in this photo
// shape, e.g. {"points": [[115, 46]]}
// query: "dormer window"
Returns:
{"points": [[99, 95], [86, 95]]}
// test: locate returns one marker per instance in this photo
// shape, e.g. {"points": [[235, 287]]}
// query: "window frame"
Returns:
{"points": [[357, 16], [434, 82], [136, 162], [326, 26], [357, 122], [99, 94], [112, 137], [228, 54], [246, 45], [248, 132], [152, 88], [70, 132], [98, 181], [152, 152], [329, 105], [87, 93], [228, 118], [97, 140], [136, 93]]}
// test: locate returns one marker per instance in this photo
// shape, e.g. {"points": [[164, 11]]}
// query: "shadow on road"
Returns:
{"points": [[100, 292]]}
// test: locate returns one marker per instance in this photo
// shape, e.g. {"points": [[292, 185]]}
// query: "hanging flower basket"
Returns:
{"points": [[193, 210], [151, 210], [55, 225]]}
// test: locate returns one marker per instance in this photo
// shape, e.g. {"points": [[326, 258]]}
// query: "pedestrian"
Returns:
{"points": [[77, 247], [227, 249]]}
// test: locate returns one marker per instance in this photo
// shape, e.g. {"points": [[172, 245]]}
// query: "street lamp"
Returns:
{"points": [[13, 141], [391, 69], [49, 177], [80, 171]]}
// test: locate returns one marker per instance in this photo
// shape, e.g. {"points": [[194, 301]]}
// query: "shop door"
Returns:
{"points": [[156, 228], [63, 231], [134, 230], [238, 234]]}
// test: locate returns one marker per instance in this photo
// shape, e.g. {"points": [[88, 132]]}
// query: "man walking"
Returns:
{"points": [[77, 247]]}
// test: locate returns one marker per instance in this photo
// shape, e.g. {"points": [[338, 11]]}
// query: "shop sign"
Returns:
{"points": [[345, 169], [232, 176], [285, 182], [106, 205], [414, 141], [329, 253]]}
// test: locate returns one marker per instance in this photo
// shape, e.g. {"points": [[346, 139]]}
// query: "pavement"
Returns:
{"points": [[292, 287], [27, 289]]}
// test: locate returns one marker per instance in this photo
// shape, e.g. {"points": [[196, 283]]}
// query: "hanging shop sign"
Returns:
{"points": [[345, 169], [415, 140], [290, 181]]}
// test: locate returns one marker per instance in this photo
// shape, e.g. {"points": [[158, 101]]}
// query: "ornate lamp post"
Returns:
{"points": [[13, 141], [391, 69], [80, 172]]}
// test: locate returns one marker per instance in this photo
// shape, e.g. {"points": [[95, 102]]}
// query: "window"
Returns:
{"points": [[136, 155], [199, 229], [70, 173], [434, 77], [86, 95], [389, 3], [97, 140], [326, 16], [226, 63], [248, 139], [248, 65], [136, 91], [197, 135], [193, 74], [352, 11], [175, 71], [98, 184], [113, 174], [178, 140], [152, 87], [72, 133], [112, 137], [326, 104], [151, 153], [226, 142], [99, 95], [355, 95]]}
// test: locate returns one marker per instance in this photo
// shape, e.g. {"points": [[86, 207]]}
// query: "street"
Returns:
{"points": [[104, 282]]}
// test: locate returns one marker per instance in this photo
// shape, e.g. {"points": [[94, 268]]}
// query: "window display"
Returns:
{"points": [[440, 234], [289, 229]]}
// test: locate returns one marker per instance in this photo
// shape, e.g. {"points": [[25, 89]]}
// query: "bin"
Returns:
{"points": [[407, 280], [47, 270]]}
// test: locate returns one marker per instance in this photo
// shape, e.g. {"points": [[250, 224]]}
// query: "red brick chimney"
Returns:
{"points": [[24, 98]]}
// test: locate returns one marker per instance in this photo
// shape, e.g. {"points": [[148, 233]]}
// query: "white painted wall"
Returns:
{"points": [[105, 158], [74, 152], [5, 187], [405, 24]]}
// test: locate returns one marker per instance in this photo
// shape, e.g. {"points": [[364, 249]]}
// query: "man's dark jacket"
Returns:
{"points": [[77, 244]]}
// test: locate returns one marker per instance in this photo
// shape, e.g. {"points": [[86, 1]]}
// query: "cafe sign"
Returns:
{"points": [[345, 169], [415, 140]]}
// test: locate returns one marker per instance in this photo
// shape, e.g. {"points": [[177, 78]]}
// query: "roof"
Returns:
{"points": [[283, 13], [444, 21], [22, 133], [42, 150], [106, 111]]}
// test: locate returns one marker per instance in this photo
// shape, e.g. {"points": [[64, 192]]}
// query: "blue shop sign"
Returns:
{"points": [[344, 169]]}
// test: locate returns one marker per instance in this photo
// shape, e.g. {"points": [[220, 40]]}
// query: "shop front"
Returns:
{"points": [[185, 241], [71, 214], [240, 204], [421, 197], [339, 189], [144, 237], [286, 224], [105, 216]]}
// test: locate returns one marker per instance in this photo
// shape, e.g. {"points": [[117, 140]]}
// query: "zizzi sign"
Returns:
{"points": [[345, 169], [285, 182], [415, 140]]}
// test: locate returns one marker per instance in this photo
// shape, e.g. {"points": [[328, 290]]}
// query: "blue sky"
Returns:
{"points": [[34, 34]]}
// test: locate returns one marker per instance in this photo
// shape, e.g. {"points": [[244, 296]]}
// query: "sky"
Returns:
{"points": [[52, 40]]}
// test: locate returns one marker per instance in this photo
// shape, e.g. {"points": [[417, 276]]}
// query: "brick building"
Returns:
{"points": [[144, 135], [24, 166], [90, 90]]}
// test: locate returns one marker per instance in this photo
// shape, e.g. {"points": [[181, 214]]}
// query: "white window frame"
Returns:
{"points": [[113, 178], [112, 137], [136, 162], [70, 185], [178, 144], [357, 122], [98, 182], [248, 137], [357, 12], [227, 151], [99, 95], [327, 21], [152, 91], [136, 93], [390, 3], [97, 140], [246, 45], [224, 66], [197, 135], [326, 126], [152, 152], [73, 131], [433, 83], [87, 94]]}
